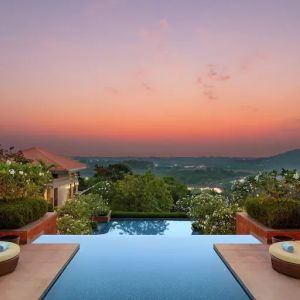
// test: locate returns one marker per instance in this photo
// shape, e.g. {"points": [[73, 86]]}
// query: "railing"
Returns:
{"points": [[86, 190]]}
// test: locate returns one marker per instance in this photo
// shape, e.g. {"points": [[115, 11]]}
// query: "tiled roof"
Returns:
{"points": [[61, 163]]}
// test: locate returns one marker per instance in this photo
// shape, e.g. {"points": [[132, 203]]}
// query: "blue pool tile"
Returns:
{"points": [[146, 267], [146, 227]]}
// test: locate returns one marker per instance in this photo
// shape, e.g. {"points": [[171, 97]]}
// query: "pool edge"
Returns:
{"points": [[236, 277], [60, 271]]}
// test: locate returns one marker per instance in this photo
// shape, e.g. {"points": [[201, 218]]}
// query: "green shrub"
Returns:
{"points": [[133, 214], [273, 212], [50, 207], [17, 213]]}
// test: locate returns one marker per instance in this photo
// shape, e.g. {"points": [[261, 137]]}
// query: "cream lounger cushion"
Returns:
{"points": [[277, 251], [10, 253]]}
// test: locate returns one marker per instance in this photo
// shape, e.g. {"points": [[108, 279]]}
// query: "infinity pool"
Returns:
{"points": [[146, 227], [137, 267]]}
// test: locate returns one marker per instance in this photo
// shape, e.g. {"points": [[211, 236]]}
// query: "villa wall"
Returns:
{"points": [[247, 225], [67, 184], [31, 231]]}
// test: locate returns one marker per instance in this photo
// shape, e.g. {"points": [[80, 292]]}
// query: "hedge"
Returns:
{"points": [[274, 213], [17, 213], [165, 215]]}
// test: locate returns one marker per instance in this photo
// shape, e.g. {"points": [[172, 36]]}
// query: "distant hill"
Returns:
{"points": [[200, 170], [290, 159]]}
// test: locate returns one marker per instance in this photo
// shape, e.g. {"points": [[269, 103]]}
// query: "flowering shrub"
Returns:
{"points": [[75, 216], [283, 184], [184, 204], [212, 213], [67, 224], [96, 205], [102, 188], [19, 180]]}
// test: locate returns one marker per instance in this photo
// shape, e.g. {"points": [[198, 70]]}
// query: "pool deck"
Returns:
{"points": [[39, 266], [251, 265]]}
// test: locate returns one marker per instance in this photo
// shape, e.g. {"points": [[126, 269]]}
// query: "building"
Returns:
{"points": [[64, 171]]}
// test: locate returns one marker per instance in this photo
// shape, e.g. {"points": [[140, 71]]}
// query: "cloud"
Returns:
{"points": [[217, 73], [210, 94], [224, 77], [147, 87], [163, 24], [208, 79]]}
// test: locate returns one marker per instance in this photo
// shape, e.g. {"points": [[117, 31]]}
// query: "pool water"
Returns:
{"points": [[146, 267], [146, 227]]}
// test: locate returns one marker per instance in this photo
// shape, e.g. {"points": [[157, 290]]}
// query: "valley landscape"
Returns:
{"points": [[199, 171]]}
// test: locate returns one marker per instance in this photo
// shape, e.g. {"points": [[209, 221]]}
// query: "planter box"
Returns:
{"points": [[103, 219], [29, 232], [247, 225]]}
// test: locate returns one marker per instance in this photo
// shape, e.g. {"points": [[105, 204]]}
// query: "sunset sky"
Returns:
{"points": [[161, 78]]}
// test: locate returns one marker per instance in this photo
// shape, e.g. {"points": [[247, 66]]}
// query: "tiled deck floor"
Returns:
{"points": [[251, 264], [39, 265]]}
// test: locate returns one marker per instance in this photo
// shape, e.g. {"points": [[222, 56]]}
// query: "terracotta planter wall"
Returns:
{"points": [[247, 225], [103, 219], [29, 232]]}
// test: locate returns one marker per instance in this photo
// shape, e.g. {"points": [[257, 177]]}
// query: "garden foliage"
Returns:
{"points": [[75, 217], [17, 213], [19, 180], [141, 193], [273, 198], [212, 213]]}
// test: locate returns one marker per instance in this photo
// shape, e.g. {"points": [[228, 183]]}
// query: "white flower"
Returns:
{"points": [[21, 172], [41, 174], [8, 162], [12, 171], [242, 180], [296, 176]]}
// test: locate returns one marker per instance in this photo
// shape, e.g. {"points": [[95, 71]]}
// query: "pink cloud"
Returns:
{"points": [[212, 76], [163, 24], [147, 87]]}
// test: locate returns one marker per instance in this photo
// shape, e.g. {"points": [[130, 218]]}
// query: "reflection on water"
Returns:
{"points": [[146, 227]]}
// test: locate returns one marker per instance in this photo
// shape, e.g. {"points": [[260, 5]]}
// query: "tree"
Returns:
{"points": [[145, 193], [112, 172], [178, 189]]}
